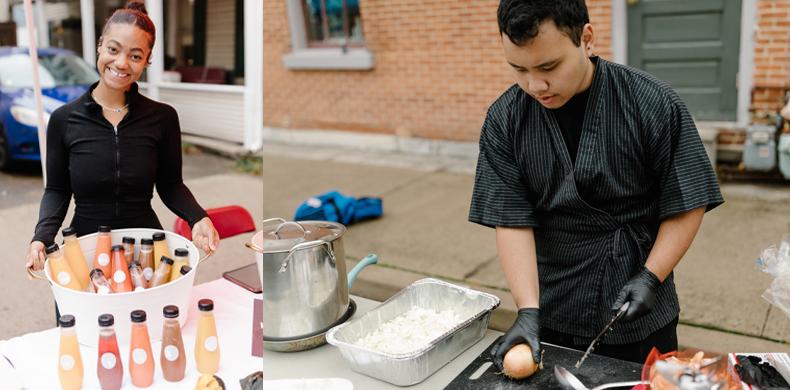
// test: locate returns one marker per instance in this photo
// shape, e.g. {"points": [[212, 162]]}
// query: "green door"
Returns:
{"points": [[693, 46]]}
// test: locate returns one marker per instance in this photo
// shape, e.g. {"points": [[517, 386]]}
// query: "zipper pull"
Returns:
{"points": [[115, 128]]}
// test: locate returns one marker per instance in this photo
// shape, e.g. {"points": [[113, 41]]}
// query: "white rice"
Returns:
{"points": [[410, 331]]}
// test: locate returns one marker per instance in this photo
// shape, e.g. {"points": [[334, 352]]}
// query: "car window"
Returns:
{"points": [[16, 71]]}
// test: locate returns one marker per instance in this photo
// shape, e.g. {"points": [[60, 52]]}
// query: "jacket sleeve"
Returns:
{"points": [[57, 192], [169, 181]]}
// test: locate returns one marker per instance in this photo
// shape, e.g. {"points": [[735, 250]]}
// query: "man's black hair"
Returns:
{"points": [[520, 19]]}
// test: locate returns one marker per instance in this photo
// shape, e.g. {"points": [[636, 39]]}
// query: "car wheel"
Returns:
{"points": [[4, 155]]}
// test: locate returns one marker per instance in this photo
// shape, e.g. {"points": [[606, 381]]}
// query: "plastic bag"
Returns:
{"points": [[775, 261]]}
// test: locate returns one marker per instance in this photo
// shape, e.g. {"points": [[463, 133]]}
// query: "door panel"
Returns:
{"points": [[693, 46]]}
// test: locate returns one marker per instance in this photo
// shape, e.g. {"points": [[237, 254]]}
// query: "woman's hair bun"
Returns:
{"points": [[137, 6]]}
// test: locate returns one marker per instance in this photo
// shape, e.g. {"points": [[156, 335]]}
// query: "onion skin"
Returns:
{"points": [[518, 362]]}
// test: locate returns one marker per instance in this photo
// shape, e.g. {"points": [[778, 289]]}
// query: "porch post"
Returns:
{"points": [[88, 32], [42, 25], [253, 74], [157, 66]]}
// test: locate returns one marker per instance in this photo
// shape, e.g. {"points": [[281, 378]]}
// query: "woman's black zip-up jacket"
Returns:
{"points": [[112, 171]]}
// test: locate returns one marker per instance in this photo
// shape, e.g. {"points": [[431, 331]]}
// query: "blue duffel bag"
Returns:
{"points": [[335, 207]]}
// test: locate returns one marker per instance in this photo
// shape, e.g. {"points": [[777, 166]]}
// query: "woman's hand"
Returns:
{"points": [[204, 236], [36, 256]]}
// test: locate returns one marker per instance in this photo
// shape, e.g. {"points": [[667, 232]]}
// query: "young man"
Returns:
{"points": [[596, 181]]}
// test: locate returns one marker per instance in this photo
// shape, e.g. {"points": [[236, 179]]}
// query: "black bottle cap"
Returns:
{"points": [[69, 231], [181, 252], [167, 260], [159, 236], [104, 229], [66, 321], [128, 240], [138, 316], [106, 320], [134, 264], [146, 241], [206, 304], [170, 311], [52, 248], [185, 269], [96, 270], [117, 248]]}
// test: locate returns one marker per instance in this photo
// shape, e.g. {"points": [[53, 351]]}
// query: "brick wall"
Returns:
{"points": [[438, 66], [771, 55]]}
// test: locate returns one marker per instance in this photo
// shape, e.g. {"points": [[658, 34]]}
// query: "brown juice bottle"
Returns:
{"points": [[162, 274], [172, 356], [109, 368], [146, 259], [128, 249]]}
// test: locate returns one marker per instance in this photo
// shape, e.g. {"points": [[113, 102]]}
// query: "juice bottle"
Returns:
{"points": [[121, 282], [60, 270], [70, 369], [162, 274], [182, 259], [109, 367], [172, 356], [147, 258], [75, 257], [160, 248], [136, 274], [206, 343], [185, 270], [103, 247], [141, 362], [128, 249], [99, 282]]}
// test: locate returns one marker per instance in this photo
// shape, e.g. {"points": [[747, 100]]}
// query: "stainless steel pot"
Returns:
{"points": [[305, 286]]}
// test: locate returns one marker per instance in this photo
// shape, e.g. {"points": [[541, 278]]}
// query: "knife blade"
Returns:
{"points": [[603, 333]]}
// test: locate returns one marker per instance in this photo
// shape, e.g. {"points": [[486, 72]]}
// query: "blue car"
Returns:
{"points": [[63, 75]]}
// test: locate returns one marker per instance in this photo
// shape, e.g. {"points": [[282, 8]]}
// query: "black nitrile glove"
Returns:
{"points": [[641, 292], [526, 329]]}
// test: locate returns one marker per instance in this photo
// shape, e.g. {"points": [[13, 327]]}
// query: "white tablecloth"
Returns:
{"points": [[35, 355]]}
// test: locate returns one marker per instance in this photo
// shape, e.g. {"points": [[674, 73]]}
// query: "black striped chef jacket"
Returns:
{"points": [[640, 160]]}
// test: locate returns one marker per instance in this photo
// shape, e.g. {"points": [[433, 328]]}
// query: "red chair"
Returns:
{"points": [[229, 221]]}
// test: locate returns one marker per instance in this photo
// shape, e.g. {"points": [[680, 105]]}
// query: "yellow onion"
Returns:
{"points": [[518, 363]]}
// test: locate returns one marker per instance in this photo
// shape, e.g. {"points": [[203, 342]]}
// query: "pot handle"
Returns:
{"points": [[306, 245], [205, 257], [35, 274], [290, 223], [266, 221], [366, 261]]}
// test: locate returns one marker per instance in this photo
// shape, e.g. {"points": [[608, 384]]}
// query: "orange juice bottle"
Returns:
{"points": [[103, 247], [160, 248], [109, 368], [141, 362], [128, 249], [162, 274], [147, 258], [75, 257], [182, 259], [60, 270], [206, 343], [121, 282], [70, 369], [172, 356]]}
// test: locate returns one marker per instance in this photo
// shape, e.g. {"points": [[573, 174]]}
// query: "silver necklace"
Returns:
{"points": [[115, 110]]}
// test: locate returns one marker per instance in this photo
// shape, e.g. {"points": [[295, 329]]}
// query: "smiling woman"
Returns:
{"points": [[112, 146]]}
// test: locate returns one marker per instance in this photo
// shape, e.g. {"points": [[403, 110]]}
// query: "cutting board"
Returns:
{"points": [[596, 370]]}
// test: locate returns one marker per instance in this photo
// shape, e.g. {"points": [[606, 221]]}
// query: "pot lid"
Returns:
{"points": [[281, 237]]}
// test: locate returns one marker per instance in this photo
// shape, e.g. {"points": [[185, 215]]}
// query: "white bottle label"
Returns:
{"points": [[148, 273], [104, 259], [64, 278], [102, 290], [66, 362], [171, 353], [139, 288], [210, 343], [139, 356], [119, 277], [108, 360]]}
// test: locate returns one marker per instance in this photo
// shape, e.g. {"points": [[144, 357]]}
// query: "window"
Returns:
{"points": [[54, 71], [332, 23], [326, 35]]}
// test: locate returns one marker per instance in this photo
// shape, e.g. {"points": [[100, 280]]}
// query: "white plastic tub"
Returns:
{"points": [[86, 307]]}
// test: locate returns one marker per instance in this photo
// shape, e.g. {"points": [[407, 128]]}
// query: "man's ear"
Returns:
{"points": [[588, 39]]}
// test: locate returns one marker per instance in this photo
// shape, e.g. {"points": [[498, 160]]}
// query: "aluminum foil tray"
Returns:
{"points": [[473, 307]]}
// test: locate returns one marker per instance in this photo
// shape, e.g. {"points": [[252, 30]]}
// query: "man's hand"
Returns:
{"points": [[641, 292], [526, 329]]}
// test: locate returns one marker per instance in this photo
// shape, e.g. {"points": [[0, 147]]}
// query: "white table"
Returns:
{"points": [[35, 355], [326, 362]]}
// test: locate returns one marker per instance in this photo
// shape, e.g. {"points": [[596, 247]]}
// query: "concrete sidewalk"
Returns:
{"points": [[425, 233]]}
